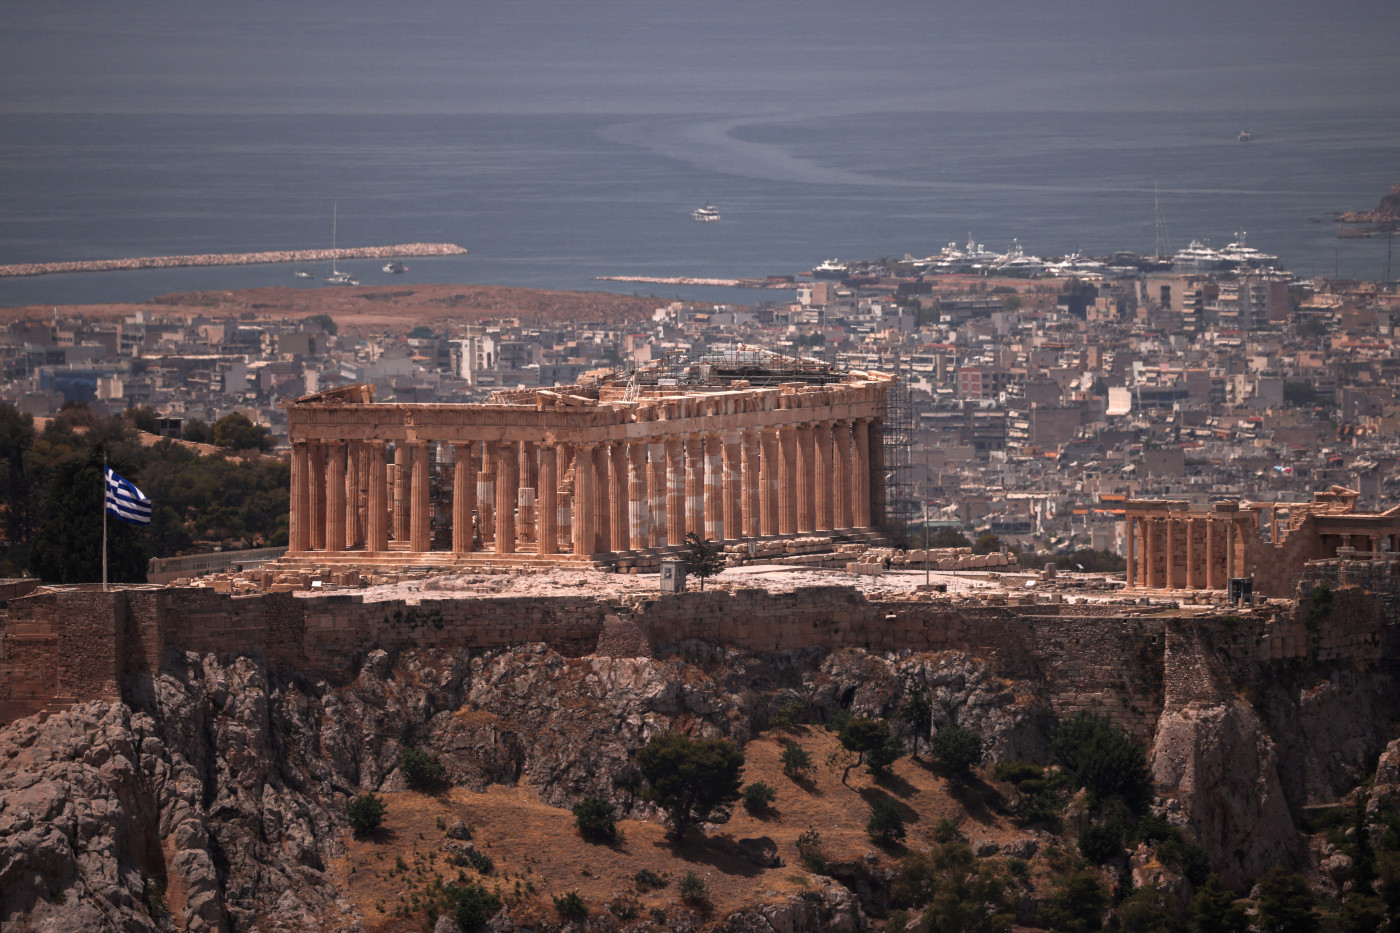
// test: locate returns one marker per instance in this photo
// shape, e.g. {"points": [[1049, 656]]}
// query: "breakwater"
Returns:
{"points": [[687, 280], [400, 251]]}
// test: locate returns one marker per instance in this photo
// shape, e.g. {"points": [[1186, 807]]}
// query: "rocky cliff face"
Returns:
{"points": [[216, 793]]}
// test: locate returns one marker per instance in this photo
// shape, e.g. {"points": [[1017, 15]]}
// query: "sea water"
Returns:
{"points": [[552, 201]]}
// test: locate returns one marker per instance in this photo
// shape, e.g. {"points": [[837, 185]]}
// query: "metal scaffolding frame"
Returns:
{"points": [[902, 505], [1378, 577]]}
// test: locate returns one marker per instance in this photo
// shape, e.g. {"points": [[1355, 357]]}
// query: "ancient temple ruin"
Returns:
{"points": [[620, 464], [1171, 546]]}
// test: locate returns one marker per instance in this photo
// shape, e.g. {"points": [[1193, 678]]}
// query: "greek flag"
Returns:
{"points": [[127, 502]]}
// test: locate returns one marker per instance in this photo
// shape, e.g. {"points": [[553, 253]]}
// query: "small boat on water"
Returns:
{"points": [[1246, 136], [395, 268], [706, 214], [303, 274], [830, 269]]}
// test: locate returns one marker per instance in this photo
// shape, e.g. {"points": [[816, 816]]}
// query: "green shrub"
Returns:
{"points": [[946, 831], [957, 748], [474, 907], [797, 762], [886, 823], [648, 880], [787, 715], [1191, 857], [809, 847], [874, 743], [365, 813], [596, 819], [690, 778], [570, 906], [1014, 772], [422, 771], [758, 797], [1100, 757], [1099, 842], [624, 907], [693, 891], [838, 720]]}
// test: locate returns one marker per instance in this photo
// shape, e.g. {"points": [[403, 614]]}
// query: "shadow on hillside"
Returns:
{"points": [[719, 852], [896, 785]]}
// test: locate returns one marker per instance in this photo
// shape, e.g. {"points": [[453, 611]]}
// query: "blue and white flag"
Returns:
{"points": [[127, 502]]}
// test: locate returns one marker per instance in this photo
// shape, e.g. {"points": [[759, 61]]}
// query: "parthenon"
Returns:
{"points": [[620, 464]]}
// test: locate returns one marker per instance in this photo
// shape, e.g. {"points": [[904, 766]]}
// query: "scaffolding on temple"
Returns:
{"points": [[756, 366], [902, 504]]}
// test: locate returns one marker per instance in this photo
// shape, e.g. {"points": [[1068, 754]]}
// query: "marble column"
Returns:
{"points": [[1169, 565], [638, 511], [1149, 553], [377, 535], [769, 483], [486, 495], [318, 495], [352, 494], [602, 513], [401, 491], [860, 473], [787, 480], [876, 477], [714, 488], [1130, 551], [619, 498], [806, 480], [825, 484], [421, 505], [1212, 575], [335, 495], [1230, 572], [695, 485], [841, 482], [733, 488], [547, 540], [657, 493], [528, 473], [507, 482], [362, 494], [463, 497], [300, 517], [1193, 581], [583, 501], [675, 491], [753, 484]]}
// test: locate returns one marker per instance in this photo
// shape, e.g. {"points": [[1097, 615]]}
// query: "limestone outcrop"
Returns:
{"points": [[216, 789]]}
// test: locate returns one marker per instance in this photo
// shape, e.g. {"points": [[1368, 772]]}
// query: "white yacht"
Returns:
{"points": [[1076, 263], [706, 214], [1240, 254], [830, 269], [395, 268], [303, 274], [1199, 257], [1017, 262]]}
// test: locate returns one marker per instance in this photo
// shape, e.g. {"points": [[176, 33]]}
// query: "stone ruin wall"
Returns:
{"points": [[69, 645]]}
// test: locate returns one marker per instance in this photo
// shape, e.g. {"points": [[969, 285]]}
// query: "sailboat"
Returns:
{"points": [[337, 277]]}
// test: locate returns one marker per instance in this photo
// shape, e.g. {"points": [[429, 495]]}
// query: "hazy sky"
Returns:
{"points": [[662, 56]]}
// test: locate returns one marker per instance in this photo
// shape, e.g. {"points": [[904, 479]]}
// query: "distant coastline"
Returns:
{"points": [[400, 251]]}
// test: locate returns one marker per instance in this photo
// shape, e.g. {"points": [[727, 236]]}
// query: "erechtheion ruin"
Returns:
{"points": [[1171, 546], [621, 464]]}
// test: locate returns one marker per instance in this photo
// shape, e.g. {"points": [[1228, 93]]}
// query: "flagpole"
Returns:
{"points": [[104, 522]]}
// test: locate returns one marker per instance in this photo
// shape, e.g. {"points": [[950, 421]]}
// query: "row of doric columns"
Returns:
{"points": [[588, 498], [1182, 551]]}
